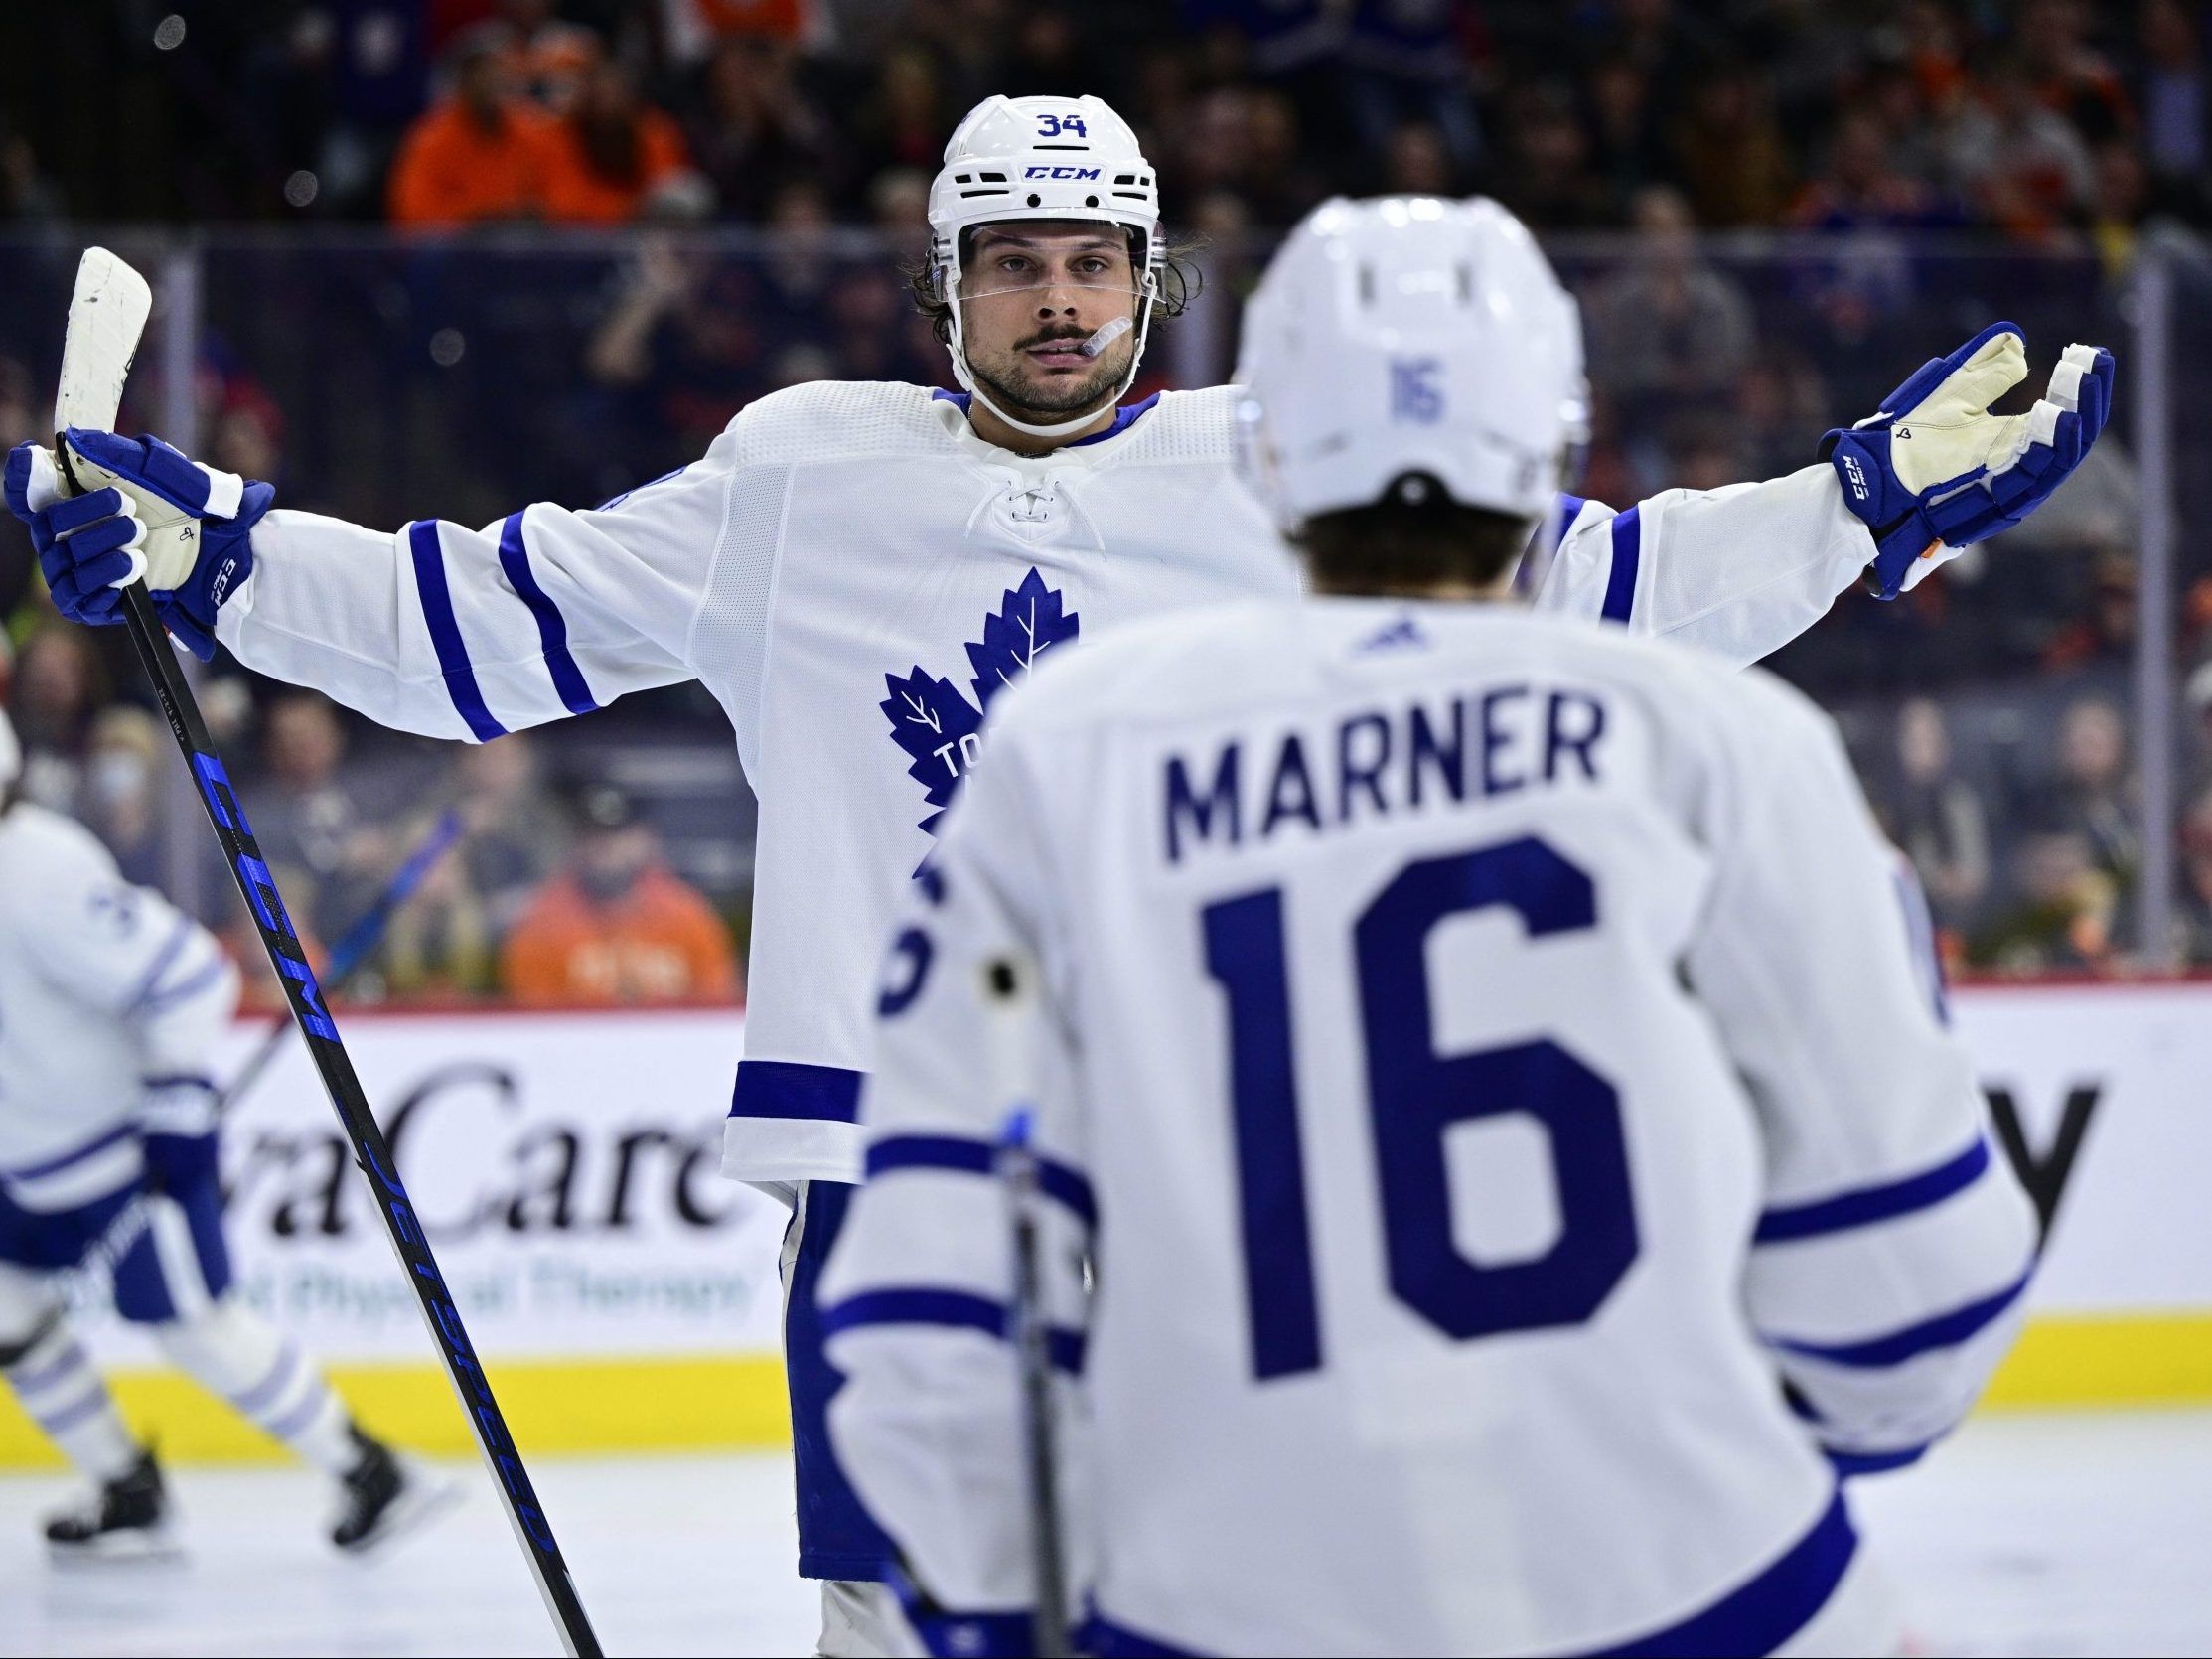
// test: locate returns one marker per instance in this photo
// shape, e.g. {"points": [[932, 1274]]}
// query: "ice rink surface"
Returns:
{"points": [[2026, 1535]]}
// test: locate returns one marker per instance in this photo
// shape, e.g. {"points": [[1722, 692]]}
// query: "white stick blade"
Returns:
{"points": [[107, 314]]}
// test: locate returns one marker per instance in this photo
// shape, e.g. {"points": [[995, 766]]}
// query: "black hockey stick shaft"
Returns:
{"points": [[347, 954], [371, 1150], [1033, 1353]]}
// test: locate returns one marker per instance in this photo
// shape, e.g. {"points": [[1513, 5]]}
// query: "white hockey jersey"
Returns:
{"points": [[107, 991], [1484, 1059], [855, 575]]}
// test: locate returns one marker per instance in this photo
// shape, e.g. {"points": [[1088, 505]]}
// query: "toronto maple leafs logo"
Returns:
{"points": [[936, 723]]}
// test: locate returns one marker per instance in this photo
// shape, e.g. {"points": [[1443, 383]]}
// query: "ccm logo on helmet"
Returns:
{"points": [[1060, 173]]}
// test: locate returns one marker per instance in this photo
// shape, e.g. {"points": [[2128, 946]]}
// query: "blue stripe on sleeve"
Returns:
{"points": [[1945, 1330], [793, 1088], [1628, 553], [979, 1157], [950, 1309], [445, 631], [75, 1154], [180, 935], [1868, 1205], [209, 973], [552, 628]]}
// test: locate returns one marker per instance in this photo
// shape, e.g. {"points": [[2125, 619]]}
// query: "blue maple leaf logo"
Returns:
{"points": [[935, 722]]}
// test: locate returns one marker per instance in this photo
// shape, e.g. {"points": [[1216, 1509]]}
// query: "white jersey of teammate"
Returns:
{"points": [[106, 992], [855, 575], [1485, 1058]]}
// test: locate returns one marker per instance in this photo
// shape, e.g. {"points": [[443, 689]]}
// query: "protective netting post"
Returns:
{"points": [[2150, 371], [184, 846]]}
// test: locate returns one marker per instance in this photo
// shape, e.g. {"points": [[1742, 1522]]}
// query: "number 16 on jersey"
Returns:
{"points": [[1414, 1096]]}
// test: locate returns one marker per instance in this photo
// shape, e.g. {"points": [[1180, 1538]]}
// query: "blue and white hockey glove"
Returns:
{"points": [[1934, 471], [146, 511]]}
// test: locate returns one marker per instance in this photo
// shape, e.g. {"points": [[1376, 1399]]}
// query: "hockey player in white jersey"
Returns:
{"points": [[1483, 1060], [109, 1003], [856, 571]]}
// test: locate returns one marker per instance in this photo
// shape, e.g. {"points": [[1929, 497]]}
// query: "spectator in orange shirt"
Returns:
{"points": [[478, 154], [612, 153], [545, 58], [618, 926]]}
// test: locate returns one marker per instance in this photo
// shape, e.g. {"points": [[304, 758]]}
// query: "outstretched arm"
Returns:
{"points": [[1739, 571], [438, 628], [1743, 571]]}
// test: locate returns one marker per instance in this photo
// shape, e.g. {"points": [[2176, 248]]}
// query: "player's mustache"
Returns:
{"points": [[1062, 331]]}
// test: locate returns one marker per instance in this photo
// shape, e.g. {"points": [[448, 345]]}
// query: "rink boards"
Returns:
{"points": [[624, 1296]]}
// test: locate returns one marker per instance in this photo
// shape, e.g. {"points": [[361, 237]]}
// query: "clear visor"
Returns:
{"points": [[992, 282], [991, 267]]}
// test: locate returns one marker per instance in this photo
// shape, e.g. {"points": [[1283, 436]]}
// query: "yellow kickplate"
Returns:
{"points": [[737, 1401], [2129, 1359], [727, 1403]]}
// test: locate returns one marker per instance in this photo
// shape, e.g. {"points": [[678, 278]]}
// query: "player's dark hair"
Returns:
{"points": [[1180, 284], [1415, 538]]}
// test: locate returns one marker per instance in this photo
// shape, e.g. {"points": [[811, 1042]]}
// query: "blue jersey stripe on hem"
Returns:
{"points": [[1756, 1618], [553, 626], [1767, 1612], [1868, 1205], [445, 632]]}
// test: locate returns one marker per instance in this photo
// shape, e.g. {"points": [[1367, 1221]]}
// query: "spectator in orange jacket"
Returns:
{"points": [[478, 154], [618, 926], [612, 152]]}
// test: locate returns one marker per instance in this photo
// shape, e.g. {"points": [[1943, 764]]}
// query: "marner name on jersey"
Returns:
{"points": [[1429, 752]]}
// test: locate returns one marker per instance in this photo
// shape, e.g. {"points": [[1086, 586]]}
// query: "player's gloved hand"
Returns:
{"points": [[1934, 471], [177, 1132], [147, 511]]}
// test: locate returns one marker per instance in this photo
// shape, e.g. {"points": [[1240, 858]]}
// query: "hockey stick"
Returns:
{"points": [[107, 315], [350, 950], [1008, 988]]}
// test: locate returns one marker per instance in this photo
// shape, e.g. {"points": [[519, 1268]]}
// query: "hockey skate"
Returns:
{"points": [[127, 1519], [385, 1495]]}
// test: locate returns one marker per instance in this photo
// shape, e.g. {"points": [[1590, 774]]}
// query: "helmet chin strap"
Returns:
{"points": [[1058, 428]]}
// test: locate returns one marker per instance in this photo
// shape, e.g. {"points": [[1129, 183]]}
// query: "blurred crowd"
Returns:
{"points": [[538, 890], [1771, 211], [2039, 118]]}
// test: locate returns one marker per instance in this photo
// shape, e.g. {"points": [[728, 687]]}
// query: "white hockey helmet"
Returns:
{"points": [[1408, 335], [1044, 158], [11, 753]]}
